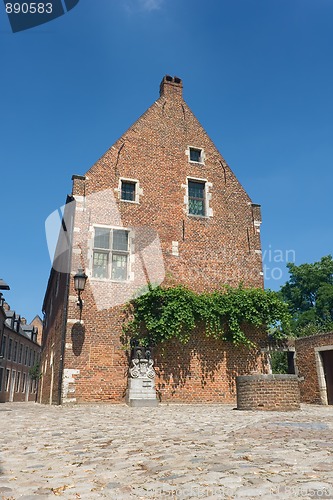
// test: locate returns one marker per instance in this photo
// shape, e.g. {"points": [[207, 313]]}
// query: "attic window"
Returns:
{"points": [[196, 155], [128, 191]]}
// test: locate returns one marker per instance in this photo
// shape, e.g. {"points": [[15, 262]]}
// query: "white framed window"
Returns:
{"points": [[195, 155], [129, 190], [15, 351], [18, 380], [3, 346], [10, 345], [1, 377], [20, 353], [7, 380], [197, 197], [111, 254]]}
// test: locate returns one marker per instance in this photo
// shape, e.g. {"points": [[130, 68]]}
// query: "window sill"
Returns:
{"points": [[109, 280], [130, 201], [201, 217], [197, 162]]}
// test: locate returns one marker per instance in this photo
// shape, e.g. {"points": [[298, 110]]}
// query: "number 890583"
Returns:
{"points": [[29, 8]]}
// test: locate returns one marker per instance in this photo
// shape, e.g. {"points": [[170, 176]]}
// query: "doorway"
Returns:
{"points": [[327, 361]]}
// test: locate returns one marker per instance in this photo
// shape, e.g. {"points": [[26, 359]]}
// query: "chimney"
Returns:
{"points": [[23, 321], [78, 185], [6, 306], [171, 87]]}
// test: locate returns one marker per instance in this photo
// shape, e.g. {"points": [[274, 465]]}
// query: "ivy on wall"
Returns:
{"points": [[162, 314]]}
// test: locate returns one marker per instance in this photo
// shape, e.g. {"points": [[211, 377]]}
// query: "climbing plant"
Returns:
{"points": [[165, 313]]}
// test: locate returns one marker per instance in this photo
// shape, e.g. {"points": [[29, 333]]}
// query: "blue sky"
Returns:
{"points": [[258, 74]]}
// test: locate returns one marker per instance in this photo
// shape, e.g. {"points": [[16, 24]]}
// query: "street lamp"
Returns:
{"points": [[80, 279]]}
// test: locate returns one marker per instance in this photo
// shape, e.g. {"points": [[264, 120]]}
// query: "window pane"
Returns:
{"points": [[195, 154], [196, 207], [128, 191], [120, 240], [102, 237], [119, 267], [196, 197], [196, 189], [100, 265]]}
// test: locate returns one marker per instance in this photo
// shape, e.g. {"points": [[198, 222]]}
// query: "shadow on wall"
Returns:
{"points": [[78, 336], [204, 363]]}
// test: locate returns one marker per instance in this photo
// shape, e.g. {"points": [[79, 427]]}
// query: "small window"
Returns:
{"points": [[20, 353], [15, 351], [18, 379], [1, 377], [196, 155], [111, 254], [3, 346], [10, 345], [196, 198], [128, 191], [7, 380]]}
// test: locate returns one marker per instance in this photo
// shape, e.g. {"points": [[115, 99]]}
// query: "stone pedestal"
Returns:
{"points": [[141, 392], [141, 384]]}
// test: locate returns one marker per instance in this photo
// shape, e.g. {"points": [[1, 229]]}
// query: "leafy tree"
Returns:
{"points": [[35, 372], [309, 294]]}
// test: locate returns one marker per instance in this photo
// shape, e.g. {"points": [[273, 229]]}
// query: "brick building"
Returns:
{"points": [[19, 352], [314, 361], [160, 206]]}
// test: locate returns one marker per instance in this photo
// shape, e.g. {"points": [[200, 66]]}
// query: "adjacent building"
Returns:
{"points": [[314, 361], [160, 206], [19, 357]]}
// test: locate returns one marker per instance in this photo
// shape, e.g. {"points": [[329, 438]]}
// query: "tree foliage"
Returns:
{"points": [[35, 372], [165, 313], [309, 294]]}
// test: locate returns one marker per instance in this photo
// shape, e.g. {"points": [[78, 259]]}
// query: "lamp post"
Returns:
{"points": [[80, 279]]}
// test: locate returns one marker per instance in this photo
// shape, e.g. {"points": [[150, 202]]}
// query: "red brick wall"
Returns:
{"points": [[205, 369], [307, 366], [268, 392], [213, 251]]}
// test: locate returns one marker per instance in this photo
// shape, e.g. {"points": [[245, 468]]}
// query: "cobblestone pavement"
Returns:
{"points": [[172, 451]]}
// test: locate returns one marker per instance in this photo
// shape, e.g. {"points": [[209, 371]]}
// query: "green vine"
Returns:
{"points": [[165, 313]]}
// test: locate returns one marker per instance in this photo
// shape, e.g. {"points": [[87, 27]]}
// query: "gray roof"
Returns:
{"points": [[3, 285]]}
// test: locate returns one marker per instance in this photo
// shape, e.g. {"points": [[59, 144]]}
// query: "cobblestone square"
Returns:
{"points": [[172, 451]]}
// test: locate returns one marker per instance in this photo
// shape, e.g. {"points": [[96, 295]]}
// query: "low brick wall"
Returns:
{"points": [[268, 392]]}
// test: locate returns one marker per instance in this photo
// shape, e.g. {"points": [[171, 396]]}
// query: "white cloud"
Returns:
{"points": [[133, 6], [150, 5]]}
